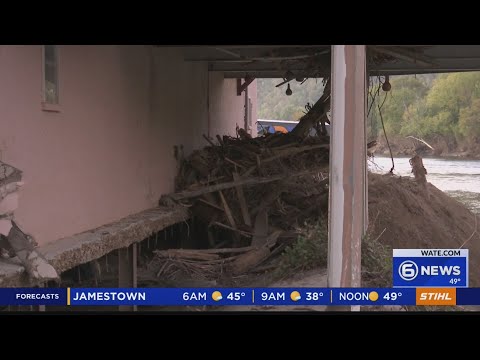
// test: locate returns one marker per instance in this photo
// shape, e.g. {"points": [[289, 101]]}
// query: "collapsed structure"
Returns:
{"points": [[109, 141], [13, 241]]}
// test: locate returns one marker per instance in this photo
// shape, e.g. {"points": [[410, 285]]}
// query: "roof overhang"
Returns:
{"points": [[309, 61]]}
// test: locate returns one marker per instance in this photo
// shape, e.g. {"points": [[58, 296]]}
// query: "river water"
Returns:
{"points": [[458, 178]]}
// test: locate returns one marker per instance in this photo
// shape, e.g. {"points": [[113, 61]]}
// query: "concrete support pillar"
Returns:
{"points": [[348, 168]]}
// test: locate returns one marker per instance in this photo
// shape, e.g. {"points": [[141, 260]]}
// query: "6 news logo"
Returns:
{"points": [[408, 270], [430, 268]]}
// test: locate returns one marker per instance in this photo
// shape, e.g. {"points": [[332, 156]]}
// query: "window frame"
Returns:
{"points": [[46, 105]]}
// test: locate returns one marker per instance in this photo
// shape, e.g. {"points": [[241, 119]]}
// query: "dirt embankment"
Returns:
{"points": [[414, 218], [403, 214]]}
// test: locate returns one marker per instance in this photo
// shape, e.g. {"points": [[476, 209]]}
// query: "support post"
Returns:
{"points": [[348, 167], [245, 116], [127, 271], [243, 86]]}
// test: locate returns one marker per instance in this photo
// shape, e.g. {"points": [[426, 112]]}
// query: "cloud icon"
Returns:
{"points": [[217, 296]]}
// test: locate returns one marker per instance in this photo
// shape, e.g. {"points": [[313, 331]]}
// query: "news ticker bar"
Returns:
{"points": [[239, 296]]}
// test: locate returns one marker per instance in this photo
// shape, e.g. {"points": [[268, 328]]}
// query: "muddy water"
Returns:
{"points": [[458, 178]]}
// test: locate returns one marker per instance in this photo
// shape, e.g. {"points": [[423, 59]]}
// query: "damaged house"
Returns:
{"points": [[89, 141], [92, 138]]}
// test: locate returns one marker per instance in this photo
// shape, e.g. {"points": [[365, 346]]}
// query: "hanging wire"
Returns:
{"points": [[385, 132]]}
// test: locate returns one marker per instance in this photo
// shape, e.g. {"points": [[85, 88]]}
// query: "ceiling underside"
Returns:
{"points": [[308, 61]]}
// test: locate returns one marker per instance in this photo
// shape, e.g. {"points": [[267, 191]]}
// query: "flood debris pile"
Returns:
{"points": [[252, 194]]}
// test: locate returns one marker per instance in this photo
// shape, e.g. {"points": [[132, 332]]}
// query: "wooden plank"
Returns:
{"points": [[198, 253], [242, 201], [242, 182], [260, 233], [234, 163], [241, 87], [210, 204], [219, 224], [227, 210], [211, 238], [247, 261], [318, 113], [231, 220], [284, 153], [208, 140]]}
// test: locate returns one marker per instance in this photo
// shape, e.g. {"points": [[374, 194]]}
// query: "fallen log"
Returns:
{"points": [[241, 232], [256, 256], [316, 114], [249, 260], [285, 153], [260, 234], [189, 253], [231, 184], [242, 201]]}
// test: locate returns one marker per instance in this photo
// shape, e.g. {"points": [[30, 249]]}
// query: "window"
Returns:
{"points": [[50, 74]]}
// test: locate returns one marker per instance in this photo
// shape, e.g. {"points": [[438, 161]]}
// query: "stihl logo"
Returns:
{"points": [[437, 296]]}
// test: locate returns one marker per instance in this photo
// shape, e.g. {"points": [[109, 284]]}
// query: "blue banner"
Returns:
{"points": [[242, 296], [430, 268], [373, 296], [239, 296], [199, 296], [468, 296]]}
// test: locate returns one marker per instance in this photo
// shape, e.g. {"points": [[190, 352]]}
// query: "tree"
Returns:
{"points": [[452, 92], [469, 122], [405, 92], [273, 103]]}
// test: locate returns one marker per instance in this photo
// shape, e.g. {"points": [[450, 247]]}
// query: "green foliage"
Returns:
{"points": [[308, 252], [469, 122], [451, 92], [376, 263], [444, 106], [428, 106], [311, 251], [273, 103], [405, 92], [414, 119]]}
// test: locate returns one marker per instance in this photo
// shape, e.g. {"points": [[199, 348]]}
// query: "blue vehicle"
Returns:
{"points": [[272, 126]]}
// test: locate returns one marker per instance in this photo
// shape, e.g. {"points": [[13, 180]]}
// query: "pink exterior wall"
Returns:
{"points": [[252, 93], [108, 153], [224, 108]]}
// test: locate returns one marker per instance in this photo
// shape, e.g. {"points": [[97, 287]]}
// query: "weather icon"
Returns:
{"points": [[295, 296], [217, 296], [373, 296]]}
